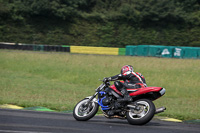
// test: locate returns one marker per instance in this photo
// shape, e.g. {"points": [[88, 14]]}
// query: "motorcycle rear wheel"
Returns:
{"points": [[143, 115], [83, 112]]}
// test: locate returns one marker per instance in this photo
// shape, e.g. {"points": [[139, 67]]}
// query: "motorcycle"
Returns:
{"points": [[137, 112]]}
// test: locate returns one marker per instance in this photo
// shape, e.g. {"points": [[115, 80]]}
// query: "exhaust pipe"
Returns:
{"points": [[160, 110]]}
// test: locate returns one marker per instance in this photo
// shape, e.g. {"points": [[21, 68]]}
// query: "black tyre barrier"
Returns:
{"points": [[36, 47], [5, 46], [56, 48]]}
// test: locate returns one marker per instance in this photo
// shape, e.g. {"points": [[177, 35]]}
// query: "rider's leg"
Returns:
{"points": [[120, 86], [125, 93]]}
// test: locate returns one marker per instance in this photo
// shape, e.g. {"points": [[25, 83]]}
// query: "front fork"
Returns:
{"points": [[91, 98]]}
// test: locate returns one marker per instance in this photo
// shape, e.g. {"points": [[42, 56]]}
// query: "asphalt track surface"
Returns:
{"points": [[22, 121]]}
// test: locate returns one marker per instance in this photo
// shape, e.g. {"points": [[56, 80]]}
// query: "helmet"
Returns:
{"points": [[127, 68]]}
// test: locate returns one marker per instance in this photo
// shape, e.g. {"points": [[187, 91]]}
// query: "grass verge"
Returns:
{"points": [[59, 80]]}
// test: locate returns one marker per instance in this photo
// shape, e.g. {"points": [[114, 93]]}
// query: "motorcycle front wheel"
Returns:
{"points": [[143, 114], [84, 111]]}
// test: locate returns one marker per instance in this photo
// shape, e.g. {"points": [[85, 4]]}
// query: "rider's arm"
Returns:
{"points": [[116, 77]]}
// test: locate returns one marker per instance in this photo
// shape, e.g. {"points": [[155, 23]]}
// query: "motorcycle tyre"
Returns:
{"points": [[146, 118], [85, 118]]}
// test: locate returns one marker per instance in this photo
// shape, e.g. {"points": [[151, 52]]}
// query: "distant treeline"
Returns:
{"points": [[112, 23]]}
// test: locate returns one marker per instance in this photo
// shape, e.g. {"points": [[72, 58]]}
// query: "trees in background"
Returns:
{"points": [[115, 23]]}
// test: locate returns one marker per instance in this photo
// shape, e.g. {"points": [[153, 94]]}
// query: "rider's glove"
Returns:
{"points": [[106, 79]]}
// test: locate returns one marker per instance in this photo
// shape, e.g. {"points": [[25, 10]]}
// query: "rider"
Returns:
{"points": [[131, 80]]}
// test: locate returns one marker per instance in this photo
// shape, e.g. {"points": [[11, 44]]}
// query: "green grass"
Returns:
{"points": [[59, 80]]}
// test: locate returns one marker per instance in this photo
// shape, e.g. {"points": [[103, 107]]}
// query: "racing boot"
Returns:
{"points": [[126, 98]]}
